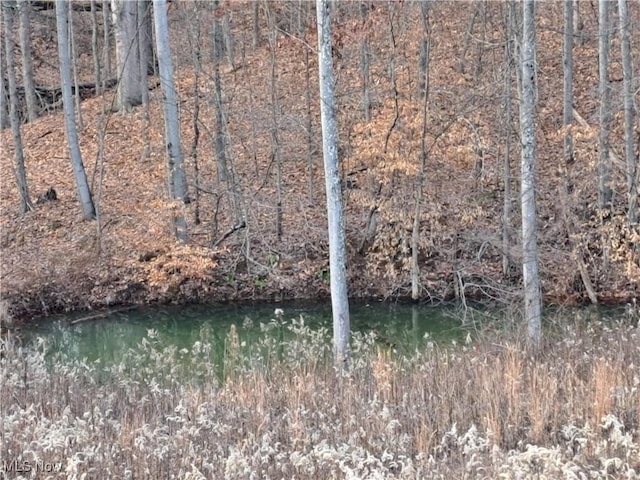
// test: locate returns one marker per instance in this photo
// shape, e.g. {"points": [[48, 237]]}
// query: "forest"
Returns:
{"points": [[427, 99], [159, 153]]}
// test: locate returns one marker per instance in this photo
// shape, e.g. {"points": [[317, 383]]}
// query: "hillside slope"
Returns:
{"points": [[52, 260]]}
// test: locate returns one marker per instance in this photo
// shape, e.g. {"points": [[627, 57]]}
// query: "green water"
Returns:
{"points": [[109, 337]]}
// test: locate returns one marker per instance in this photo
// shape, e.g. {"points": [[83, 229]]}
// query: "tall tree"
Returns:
{"points": [[365, 61], [510, 36], [218, 49], [4, 99], [567, 103], [82, 185], [532, 293], [28, 80], [604, 160], [337, 254], [627, 85], [20, 170], [177, 178], [423, 83], [274, 130], [130, 30]]}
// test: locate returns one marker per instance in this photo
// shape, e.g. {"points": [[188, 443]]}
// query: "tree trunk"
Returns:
{"points": [[74, 72], [508, 119], [256, 24], [177, 178], [337, 254], [218, 49], [20, 170], [604, 162], [106, 41], [97, 73], [365, 60], [84, 194], [125, 21], [532, 293], [627, 79], [416, 287], [309, 131], [567, 112], [274, 130], [33, 108]]}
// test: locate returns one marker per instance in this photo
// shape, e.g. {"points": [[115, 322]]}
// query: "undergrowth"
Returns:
{"points": [[491, 409]]}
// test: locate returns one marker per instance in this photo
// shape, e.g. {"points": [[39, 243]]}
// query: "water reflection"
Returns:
{"points": [[106, 339]]}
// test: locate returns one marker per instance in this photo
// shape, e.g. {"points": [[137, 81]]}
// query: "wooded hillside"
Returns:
{"points": [[246, 76]]}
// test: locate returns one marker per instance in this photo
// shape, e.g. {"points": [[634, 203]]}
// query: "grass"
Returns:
{"points": [[277, 409]]}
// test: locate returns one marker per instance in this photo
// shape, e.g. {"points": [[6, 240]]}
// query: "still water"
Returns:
{"points": [[108, 337]]}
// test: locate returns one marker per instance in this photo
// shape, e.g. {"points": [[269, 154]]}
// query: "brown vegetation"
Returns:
{"points": [[486, 409], [51, 260]]}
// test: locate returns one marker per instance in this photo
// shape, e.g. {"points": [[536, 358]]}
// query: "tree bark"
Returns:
{"points": [[33, 108], [20, 170], [508, 119], [126, 24], [218, 49], [274, 130], [337, 254], [177, 178], [532, 293], [416, 287], [97, 73], [604, 159], [627, 80], [82, 185], [567, 111]]}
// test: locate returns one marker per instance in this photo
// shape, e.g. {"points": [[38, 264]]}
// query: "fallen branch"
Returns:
{"points": [[230, 232], [104, 314]]}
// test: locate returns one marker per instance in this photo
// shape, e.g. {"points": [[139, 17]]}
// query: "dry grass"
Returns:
{"points": [[490, 409]]}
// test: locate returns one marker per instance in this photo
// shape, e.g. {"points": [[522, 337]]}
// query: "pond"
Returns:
{"points": [[107, 338]]}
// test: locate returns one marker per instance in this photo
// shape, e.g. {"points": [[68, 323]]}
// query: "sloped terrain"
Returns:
{"points": [[52, 260]]}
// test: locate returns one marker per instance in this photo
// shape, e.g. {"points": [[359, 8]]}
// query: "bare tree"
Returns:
{"points": [[567, 103], [627, 80], [337, 254], [33, 109], [218, 49], [274, 130], [604, 159], [177, 178], [20, 170], [130, 29], [532, 293], [508, 119], [97, 73], [84, 193], [365, 61], [423, 68]]}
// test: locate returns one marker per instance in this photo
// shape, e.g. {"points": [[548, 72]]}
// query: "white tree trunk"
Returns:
{"points": [[125, 21], [604, 162], [33, 108], [627, 79], [423, 68], [20, 170], [337, 254], [532, 293], [84, 194], [177, 178]]}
